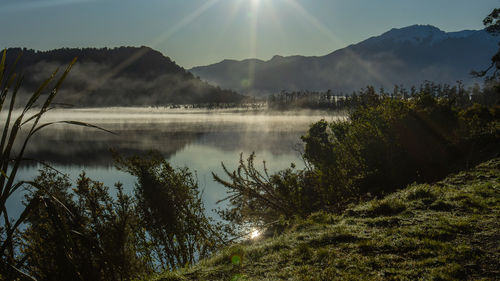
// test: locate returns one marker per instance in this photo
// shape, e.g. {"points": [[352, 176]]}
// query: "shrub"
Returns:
{"points": [[86, 235], [171, 211], [386, 144], [262, 198]]}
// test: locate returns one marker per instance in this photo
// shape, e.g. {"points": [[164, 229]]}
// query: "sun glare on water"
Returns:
{"points": [[255, 234]]}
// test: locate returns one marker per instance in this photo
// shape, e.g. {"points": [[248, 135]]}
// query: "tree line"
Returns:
{"points": [[462, 97]]}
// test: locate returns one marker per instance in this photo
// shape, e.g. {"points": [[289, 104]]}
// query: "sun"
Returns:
{"points": [[255, 3]]}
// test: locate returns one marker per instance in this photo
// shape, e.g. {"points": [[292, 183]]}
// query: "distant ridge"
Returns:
{"points": [[404, 56], [124, 76]]}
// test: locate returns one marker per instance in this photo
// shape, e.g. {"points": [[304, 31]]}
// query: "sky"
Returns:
{"points": [[201, 32]]}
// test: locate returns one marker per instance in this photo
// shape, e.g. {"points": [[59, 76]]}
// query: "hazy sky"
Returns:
{"points": [[200, 32]]}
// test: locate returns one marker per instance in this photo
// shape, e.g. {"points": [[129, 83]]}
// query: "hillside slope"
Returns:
{"points": [[124, 76], [449, 230], [406, 56]]}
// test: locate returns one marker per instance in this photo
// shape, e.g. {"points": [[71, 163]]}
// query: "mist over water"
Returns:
{"points": [[197, 139]]}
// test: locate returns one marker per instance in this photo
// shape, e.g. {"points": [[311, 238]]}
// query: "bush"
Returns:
{"points": [[171, 211], [386, 144], [85, 234], [261, 198]]}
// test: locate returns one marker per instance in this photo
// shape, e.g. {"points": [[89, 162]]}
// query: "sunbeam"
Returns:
{"points": [[253, 42], [255, 2], [323, 29], [235, 8], [184, 22], [269, 8], [161, 38]]}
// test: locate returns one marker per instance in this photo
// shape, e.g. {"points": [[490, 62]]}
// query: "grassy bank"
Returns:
{"points": [[449, 230]]}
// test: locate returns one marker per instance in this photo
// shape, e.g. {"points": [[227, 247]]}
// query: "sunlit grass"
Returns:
{"points": [[399, 237]]}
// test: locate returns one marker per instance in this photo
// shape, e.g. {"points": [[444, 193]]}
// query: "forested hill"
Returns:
{"points": [[124, 76]]}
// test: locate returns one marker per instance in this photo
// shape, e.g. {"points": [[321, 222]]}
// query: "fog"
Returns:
{"points": [[139, 130], [196, 138], [124, 76]]}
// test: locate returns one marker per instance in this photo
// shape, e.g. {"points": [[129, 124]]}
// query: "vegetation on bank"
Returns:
{"points": [[29, 119], [81, 232], [459, 95], [448, 230], [90, 235], [385, 144], [342, 217]]}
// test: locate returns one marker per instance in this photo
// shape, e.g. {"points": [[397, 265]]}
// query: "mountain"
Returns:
{"points": [[407, 56], [124, 76]]}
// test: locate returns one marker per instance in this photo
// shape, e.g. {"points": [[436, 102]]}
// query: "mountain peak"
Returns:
{"points": [[415, 34], [417, 28], [276, 57]]}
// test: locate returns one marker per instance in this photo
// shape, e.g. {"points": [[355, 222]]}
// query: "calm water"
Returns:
{"points": [[197, 139]]}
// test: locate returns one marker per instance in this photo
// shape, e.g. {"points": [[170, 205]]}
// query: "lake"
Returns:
{"points": [[197, 139]]}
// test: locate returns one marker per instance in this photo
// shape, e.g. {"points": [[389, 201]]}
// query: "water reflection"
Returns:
{"points": [[167, 131], [75, 146], [199, 140]]}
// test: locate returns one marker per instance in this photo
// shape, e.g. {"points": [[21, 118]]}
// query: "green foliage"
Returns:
{"points": [[86, 236], [260, 198], [233, 255], [171, 211], [427, 245], [386, 143], [386, 146], [421, 192], [10, 83], [28, 119]]}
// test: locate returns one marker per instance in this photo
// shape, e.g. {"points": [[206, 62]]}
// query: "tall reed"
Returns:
{"points": [[29, 118]]}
